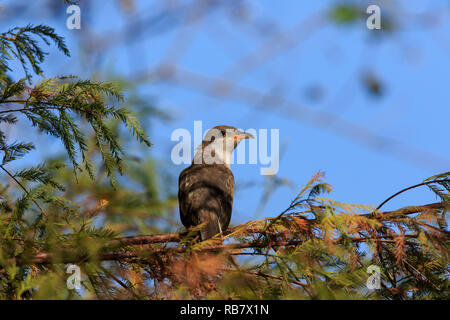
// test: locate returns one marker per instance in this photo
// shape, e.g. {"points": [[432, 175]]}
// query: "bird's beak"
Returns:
{"points": [[242, 135]]}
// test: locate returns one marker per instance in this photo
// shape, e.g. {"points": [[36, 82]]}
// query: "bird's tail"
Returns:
{"points": [[211, 228]]}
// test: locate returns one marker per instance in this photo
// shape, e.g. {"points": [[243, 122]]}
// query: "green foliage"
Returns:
{"points": [[20, 44], [37, 213], [40, 174], [317, 248], [55, 105], [440, 185], [346, 13]]}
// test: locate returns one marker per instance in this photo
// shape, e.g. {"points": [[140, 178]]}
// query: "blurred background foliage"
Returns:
{"points": [[159, 55]]}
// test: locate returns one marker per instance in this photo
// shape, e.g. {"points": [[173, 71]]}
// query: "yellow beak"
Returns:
{"points": [[243, 135]]}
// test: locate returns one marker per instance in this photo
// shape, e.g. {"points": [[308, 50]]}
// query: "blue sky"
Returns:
{"points": [[413, 65]]}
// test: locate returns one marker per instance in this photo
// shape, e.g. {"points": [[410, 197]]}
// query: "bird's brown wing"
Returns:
{"points": [[205, 194]]}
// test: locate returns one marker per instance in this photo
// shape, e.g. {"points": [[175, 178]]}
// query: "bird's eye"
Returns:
{"points": [[223, 132]]}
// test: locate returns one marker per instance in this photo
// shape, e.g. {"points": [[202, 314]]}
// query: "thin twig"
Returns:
{"points": [[412, 187], [24, 189], [123, 285], [266, 275], [425, 278]]}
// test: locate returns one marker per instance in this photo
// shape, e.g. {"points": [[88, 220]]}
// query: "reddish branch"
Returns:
{"points": [[147, 252], [408, 210], [43, 258]]}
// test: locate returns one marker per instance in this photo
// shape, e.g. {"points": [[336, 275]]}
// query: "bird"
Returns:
{"points": [[205, 188]]}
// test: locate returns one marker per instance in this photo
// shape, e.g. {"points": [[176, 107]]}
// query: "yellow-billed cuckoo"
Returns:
{"points": [[205, 188]]}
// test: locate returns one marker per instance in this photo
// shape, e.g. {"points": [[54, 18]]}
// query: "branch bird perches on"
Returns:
{"points": [[247, 228]]}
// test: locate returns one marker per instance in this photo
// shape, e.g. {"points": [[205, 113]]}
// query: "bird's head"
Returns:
{"points": [[219, 143]]}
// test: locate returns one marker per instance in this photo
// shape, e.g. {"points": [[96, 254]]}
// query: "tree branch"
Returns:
{"points": [[68, 257], [412, 187]]}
